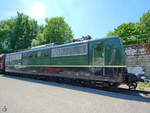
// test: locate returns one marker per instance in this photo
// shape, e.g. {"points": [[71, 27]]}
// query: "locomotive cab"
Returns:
{"points": [[108, 56]]}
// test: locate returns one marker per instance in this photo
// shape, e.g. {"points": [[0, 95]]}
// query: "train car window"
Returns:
{"points": [[39, 54], [15, 57], [43, 53], [46, 53], [70, 51], [30, 55], [35, 55], [99, 47], [7, 59], [26, 55]]}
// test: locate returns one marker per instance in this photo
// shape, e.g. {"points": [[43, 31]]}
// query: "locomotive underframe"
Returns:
{"points": [[111, 75]]}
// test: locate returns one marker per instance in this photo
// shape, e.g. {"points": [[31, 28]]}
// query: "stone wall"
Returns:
{"points": [[138, 58]]}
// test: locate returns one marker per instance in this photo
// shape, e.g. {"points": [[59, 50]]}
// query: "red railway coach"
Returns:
{"points": [[2, 63]]}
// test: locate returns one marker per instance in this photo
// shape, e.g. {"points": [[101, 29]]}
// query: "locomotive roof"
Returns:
{"points": [[73, 43]]}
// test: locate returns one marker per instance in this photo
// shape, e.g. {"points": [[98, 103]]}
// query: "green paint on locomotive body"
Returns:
{"points": [[114, 52], [107, 52], [74, 56], [98, 52]]}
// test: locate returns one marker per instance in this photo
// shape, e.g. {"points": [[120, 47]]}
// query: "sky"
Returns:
{"points": [[86, 17]]}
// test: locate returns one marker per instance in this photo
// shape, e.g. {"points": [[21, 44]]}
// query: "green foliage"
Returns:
{"points": [[109, 34], [133, 33], [17, 33], [6, 27], [142, 85], [24, 31], [125, 31], [39, 40], [57, 31], [144, 24], [143, 27]]}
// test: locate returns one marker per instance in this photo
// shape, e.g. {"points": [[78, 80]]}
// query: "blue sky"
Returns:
{"points": [[93, 17]]}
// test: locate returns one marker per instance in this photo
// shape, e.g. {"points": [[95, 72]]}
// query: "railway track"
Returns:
{"points": [[119, 90], [140, 93]]}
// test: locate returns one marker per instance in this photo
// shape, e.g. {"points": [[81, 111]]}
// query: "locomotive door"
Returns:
{"points": [[98, 54]]}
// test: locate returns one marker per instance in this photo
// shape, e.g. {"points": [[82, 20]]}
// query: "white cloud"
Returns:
{"points": [[37, 10]]}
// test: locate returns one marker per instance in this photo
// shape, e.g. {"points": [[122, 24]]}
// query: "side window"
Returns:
{"points": [[81, 49], [39, 54], [46, 53], [99, 46], [42, 53], [15, 58], [30, 55], [7, 59], [35, 54], [98, 50], [98, 53]]}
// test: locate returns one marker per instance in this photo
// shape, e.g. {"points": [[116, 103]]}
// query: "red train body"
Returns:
{"points": [[2, 62]]}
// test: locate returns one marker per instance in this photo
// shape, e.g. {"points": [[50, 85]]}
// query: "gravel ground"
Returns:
{"points": [[22, 95]]}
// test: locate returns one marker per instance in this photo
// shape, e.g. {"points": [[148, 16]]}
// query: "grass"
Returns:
{"points": [[143, 85]]}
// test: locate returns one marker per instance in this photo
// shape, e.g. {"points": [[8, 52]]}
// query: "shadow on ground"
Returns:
{"points": [[138, 97]]}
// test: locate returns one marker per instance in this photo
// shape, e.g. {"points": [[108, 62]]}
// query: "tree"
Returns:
{"points": [[24, 31], [144, 23], [110, 33], [6, 28], [57, 31], [143, 27], [125, 31], [18, 32], [39, 40], [132, 33]]}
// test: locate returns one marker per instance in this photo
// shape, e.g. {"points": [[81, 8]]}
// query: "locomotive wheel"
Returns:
{"points": [[78, 82], [92, 84], [86, 83]]}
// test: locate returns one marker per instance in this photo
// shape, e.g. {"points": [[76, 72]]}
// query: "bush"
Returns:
{"points": [[142, 85]]}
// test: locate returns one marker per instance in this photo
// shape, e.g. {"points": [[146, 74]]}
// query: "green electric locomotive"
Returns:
{"points": [[98, 62]]}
